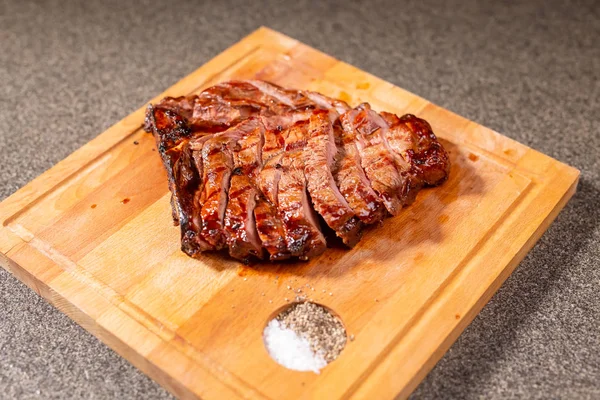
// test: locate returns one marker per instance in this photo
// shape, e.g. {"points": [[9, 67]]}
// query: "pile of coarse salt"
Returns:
{"points": [[305, 337], [291, 350]]}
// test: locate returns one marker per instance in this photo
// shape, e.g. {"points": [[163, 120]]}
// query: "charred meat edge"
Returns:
{"points": [[170, 130]]}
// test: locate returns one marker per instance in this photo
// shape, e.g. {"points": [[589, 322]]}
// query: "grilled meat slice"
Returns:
{"points": [[278, 123], [239, 224], [319, 157], [268, 179], [422, 159], [268, 220], [273, 140], [217, 161], [303, 235], [183, 106], [271, 231], [169, 128], [430, 159], [377, 159], [226, 104], [187, 184], [403, 143], [301, 99], [351, 178]]}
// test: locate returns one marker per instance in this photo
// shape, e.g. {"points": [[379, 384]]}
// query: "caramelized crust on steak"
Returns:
{"points": [[252, 166]]}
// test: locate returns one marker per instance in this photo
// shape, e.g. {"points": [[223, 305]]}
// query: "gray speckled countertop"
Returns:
{"points": [[69, 70]]}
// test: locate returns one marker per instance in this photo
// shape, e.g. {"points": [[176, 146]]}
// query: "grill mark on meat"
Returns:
{"points": [[224, 105], [319, 156], [239, 93], [180, 105], [298, 100], [301, 99], [303, 236], [239, 223], [219, 116]]}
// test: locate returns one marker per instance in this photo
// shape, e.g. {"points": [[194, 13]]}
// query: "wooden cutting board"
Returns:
{"points": [[94, 236]]}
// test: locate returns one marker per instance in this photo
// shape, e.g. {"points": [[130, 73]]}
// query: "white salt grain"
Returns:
{"points": [[290, 350]]}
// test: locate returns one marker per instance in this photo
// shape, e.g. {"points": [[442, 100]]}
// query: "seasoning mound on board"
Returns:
{"points": [[305, 337]]}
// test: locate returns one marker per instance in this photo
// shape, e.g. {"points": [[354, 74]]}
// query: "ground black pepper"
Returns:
{"points": [[318, 326]]}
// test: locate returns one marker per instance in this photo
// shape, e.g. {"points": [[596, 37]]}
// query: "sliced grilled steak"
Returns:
{"points": [[239, 223], [226, 104], [303, 236], [319, 157], [301, 99], [249, 162]]}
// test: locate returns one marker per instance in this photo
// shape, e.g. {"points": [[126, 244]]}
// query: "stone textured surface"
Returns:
{"points": [[68, 70]]}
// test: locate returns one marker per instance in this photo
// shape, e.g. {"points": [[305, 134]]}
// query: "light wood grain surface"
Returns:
{"points": [[94, 236]]}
